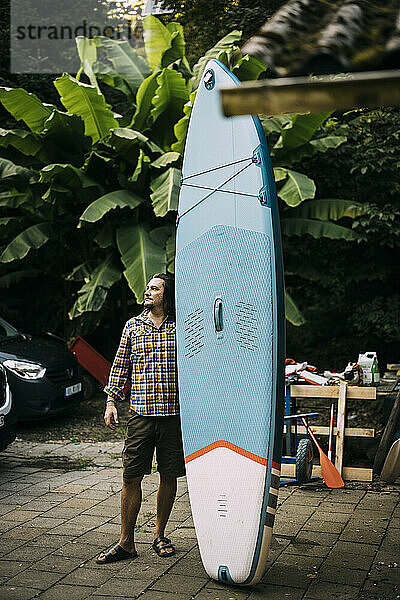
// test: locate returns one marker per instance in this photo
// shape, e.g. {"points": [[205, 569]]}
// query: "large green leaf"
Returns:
{"points": [[170, 97], [12, 174], [85, 101], [223, 45], [32, 237], [327, 143], [181, 127], [293, 314], [292, 156], [298, 187], [141, 166], [87, 50], [68, 176], [300, 129], [141, 255], [26, 107], [144, 100], [93, 293], [317, 229], [165, 190], [23, 141], [126, 61], [110, 201], [6, 281], [327, 209], [64, 138], [249, 68], [166, 159], [127, 143], [177, 49], [157, 40]]}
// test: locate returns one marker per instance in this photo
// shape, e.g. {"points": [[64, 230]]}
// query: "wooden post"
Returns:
{"points": [[388, 436], [340, 426]]}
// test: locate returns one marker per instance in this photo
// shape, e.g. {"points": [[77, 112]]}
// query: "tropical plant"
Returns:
{"points": [[88, 195]]}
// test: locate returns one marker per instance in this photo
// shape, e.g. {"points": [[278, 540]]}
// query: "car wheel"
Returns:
{"points": [[89, 385]]}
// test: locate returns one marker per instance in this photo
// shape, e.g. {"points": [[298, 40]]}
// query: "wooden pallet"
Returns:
{"points": [[342, 393]]}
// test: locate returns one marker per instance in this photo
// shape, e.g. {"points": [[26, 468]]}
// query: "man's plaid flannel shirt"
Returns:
{"points": [[147, 355]]}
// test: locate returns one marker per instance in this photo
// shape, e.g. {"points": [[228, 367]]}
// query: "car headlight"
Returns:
{"points": [[25, 370]]}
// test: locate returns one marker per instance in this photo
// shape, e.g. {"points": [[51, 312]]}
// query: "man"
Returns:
{"points": [[147, 354]]}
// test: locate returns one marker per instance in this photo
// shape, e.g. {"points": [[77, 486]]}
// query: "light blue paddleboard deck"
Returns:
{"points": [[230, 332]]}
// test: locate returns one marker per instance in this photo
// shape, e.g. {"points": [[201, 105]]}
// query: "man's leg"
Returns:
{"points": [[131, 500], [165, 500]]}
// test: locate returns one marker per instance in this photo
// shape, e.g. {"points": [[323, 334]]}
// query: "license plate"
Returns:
{"points": [[1, 420], [73, 389]]}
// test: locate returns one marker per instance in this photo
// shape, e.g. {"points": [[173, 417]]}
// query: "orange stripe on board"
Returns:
{"points": [[225, 444], [276, 466]]}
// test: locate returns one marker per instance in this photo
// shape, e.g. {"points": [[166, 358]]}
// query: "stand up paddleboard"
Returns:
{"points": [[230, 333]]}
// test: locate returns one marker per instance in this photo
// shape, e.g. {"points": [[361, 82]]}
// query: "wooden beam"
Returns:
{"points": [[349, 473], [348, 432], [332, 391], [341, 416], [341, 91]]}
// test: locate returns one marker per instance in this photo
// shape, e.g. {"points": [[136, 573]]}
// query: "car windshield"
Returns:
{"points": [[7, 331]]}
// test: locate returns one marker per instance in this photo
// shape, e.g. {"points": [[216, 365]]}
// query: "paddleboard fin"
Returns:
{"points": [[224, 575]]}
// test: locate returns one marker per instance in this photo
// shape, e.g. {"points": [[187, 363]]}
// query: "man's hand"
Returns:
{"points": [[111, 415]]}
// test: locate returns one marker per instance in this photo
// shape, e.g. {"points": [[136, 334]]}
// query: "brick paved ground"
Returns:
{"points": [[59, 506]]}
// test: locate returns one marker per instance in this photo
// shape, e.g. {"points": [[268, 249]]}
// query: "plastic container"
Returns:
{"points": [[368, 362]]}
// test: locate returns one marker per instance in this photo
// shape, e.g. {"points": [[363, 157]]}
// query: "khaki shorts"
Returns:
{"points": [[144, 434]]}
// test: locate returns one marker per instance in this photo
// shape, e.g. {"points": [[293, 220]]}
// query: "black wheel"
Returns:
{"points": [[89, 385], [304, 461]]}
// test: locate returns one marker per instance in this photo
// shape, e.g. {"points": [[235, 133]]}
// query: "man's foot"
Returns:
{"points": [[163, 546], [115, 554]]}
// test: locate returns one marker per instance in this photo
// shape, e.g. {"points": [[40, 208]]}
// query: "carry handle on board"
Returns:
{"points": [[218, 322]]}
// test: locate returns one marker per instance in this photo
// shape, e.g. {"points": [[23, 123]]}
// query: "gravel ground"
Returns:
{"points": [[83, 424]]}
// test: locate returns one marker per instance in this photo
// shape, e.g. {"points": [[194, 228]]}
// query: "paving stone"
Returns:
{"points": [[320, 590], [69, 592], [9, 568], [219, 594], [87, 576], [180, 583], [57, 564], [343, 575], [150, 595], [28, 552], [30, 579], [338, 559], [126, 588], [355, 548], [19, 516], [323, 526], [275, 592], [17, 593], [290, 575]]}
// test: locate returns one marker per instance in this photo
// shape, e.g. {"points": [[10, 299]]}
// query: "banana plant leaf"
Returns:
{"points": [[222, 45], [68, 176], [292, 156], [93, 293], [87, 50], [168, 158], [298, 187], [26, 107], [85, 101], [293, 313], [171, 95], [327, 209], [144, 105], [64, 138], [141, 255], [31, 238], [23, 141], [129, 65], [127, 143], [165, 190], [249, 68], [141, 166], [177, 50], [170, 251], [317, 229], [118, 199], [157, 40], [12, 174], [181, 127], [300, 129]]}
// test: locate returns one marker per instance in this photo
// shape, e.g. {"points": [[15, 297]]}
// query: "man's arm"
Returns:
{"points": [[117, 379]]}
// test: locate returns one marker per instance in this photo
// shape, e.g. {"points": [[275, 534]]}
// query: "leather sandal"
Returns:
{"points": [[160, 548], [119, 554]]}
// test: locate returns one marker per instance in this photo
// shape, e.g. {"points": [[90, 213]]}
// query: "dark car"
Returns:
{"points": [[8, 413], [43, 374]]}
